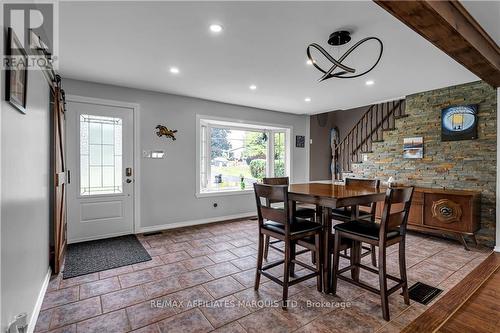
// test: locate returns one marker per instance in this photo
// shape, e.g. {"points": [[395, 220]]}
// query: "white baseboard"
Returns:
{"points": [[497, 248], [39, 301], [195, 222], [85, 239]]}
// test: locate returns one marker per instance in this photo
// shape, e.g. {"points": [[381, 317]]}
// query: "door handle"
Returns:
{"points": [[129, 180]]}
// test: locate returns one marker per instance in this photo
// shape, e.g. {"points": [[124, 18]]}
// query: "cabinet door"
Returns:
{"points": [[446, 211], [416, 209]]}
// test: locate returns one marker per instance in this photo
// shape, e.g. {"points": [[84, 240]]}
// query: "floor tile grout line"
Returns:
{"points": [[141, 285]]}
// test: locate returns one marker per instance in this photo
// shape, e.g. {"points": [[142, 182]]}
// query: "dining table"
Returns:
{"points": [[328, 196]]}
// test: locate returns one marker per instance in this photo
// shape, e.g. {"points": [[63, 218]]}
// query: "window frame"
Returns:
{"points": [[81, 195], [243, 125]]}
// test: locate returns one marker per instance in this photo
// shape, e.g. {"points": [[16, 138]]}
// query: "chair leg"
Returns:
{"points": [[318, 260], [266, 247], [286, 274], [293, 251], [259, 261], [355, 259], [402, 271], [336, 258], [374, 256], [383, 282]]}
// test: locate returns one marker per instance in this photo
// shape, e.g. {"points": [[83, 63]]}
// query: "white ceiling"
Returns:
{"points": [[133, 44]]}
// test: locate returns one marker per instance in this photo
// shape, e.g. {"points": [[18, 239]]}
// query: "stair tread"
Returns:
{"points": [[354, 152]]}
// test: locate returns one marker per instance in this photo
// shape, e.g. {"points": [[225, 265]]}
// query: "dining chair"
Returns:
{"points": [[283, 224], [301, 211], [390, 231], [365, 212]]}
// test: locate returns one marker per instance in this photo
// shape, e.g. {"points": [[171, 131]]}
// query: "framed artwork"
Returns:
{"points": [[413, 147], [300, 141], [16, 74], [459, 123]]}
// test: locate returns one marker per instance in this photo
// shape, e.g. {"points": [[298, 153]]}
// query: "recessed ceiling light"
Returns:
{"points": [[253, 87], [216, 28], [369, 82], [174, 70], [307, 99]]}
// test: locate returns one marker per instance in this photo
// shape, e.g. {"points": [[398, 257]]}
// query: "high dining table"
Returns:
{"points": [[328, 196]]}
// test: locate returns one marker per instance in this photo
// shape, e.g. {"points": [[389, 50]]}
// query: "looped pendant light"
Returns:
{"points": [[339, 38]]}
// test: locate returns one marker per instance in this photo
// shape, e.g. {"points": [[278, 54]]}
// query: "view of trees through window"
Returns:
{"points": [[238, 158]]}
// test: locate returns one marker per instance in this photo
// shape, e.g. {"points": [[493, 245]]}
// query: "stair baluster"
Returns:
{"points": [[370, 128]]}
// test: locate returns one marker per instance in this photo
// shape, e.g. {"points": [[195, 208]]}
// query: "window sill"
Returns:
{"points": [[223, 193]]}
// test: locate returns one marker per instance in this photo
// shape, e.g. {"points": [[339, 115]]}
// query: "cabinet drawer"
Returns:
{"points": [[451, 212]]}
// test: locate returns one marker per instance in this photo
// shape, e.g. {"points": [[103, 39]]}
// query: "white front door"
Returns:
{"points": [[100, 149]]}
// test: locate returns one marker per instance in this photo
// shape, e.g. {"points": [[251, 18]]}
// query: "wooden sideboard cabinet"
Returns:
{"points": [[454, 213]]}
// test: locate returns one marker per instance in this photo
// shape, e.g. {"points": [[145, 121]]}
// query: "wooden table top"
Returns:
{"points": [[332, 190], [333, 196]]}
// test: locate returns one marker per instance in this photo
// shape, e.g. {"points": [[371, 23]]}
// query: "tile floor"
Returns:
{"points": [[201, 278]]}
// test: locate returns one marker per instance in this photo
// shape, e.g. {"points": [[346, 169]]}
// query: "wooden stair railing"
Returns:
{"points": [[377, 119]]}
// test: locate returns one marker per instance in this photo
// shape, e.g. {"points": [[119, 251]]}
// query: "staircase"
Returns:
{"points": [[369, 129]]}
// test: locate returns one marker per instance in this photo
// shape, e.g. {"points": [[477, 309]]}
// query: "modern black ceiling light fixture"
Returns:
{"points": [[338, 69]]}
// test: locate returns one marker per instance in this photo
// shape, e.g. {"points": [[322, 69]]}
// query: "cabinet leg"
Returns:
{"points": [[475, 240], [462, 240]]}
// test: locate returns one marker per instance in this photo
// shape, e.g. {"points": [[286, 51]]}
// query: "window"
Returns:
{"points": [[233, 156], [100, 155]]}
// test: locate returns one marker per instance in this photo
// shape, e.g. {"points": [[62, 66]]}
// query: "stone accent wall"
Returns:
{"points": [[469, 165]]}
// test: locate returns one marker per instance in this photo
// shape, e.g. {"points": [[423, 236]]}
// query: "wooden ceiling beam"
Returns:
{"points": [[450, 27]]}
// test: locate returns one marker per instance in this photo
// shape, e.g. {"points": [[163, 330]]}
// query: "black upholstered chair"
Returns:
{"points": [[302, 211], [365, 212], [390, 231], [284, 225]]}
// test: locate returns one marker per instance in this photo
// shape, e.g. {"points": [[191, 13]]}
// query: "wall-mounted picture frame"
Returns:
{"points": [[459, 122], [16, 73], [413, 147], [300, 141]]}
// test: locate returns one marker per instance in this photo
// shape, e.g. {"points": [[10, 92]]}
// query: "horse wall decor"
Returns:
{"points": [[164, 131]]}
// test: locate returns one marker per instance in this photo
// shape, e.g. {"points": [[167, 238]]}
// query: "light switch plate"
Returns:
{"points": [[154, 154]]}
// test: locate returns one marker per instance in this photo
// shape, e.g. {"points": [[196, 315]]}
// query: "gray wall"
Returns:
{"points": [[168, 185], [321, 154], [25, 199]]}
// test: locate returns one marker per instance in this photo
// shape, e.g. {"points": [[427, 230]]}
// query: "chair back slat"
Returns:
{"points": [[373, 183], [275, 193], [369, 183], [274, 214], [392, 220], [395, 220], [274, 181]]}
